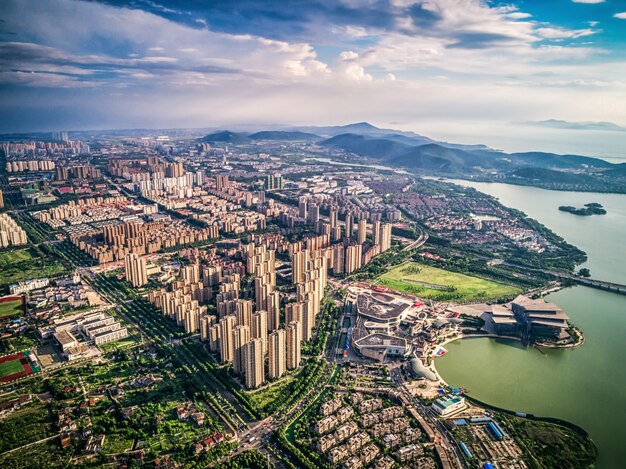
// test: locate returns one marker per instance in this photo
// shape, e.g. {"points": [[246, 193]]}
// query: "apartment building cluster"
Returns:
{"points": [[140, 236], [184, 301], [93, 209], [40, 149], [18, 166], [77, 171], [245, 332], [11, 234]]}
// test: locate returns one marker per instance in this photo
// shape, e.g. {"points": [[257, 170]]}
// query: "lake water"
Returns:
{"points": [[587, 385]]}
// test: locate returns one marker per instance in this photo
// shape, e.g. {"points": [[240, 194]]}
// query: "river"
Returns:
{"points": [[586, 385]]}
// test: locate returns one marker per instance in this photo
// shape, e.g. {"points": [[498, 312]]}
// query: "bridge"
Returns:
{"points": [[588, 282], [602, 285]]}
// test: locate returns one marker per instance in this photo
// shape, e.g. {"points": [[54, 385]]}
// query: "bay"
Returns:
{"points": [[587, 385]]}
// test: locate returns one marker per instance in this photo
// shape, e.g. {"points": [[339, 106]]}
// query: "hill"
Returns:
{"points": [[227, 136], [379, 148], [284, 135], [550, 176]]}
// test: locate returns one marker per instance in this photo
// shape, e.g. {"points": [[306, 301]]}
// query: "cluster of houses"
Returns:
{"points": [[352, 434]]}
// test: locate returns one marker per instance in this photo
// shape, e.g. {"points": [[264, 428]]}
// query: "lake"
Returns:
{"points": [[586, 385]]}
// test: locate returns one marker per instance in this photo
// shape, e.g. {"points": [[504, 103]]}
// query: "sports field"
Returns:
{"points": [[441, 285], [10, 308], [10, 367]]}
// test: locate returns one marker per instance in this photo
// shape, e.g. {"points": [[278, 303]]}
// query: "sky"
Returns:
{"points": [[470, 71]]}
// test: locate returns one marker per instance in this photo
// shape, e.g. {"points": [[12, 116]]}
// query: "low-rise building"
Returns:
{"points": [[447, 405], [326, 442], [325, 425], [384, 463], [370, 405], [344, 414], [406, 453], [391, 440], [338, 454], [369, 453], [330, 407]]}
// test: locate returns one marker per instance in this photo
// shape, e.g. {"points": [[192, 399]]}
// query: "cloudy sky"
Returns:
{"points": [[465, 70]]}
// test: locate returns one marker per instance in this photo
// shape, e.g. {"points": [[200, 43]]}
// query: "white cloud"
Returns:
{"points": [[518, 15], [78, 23], [562, 33], [621, 16], [588, 1], [477, 63], [348, 55]]}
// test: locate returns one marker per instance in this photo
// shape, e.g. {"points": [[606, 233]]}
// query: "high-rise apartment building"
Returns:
{"points": [[294, 342], [221, 182], [259, 328], [227, 324], [303, 208], [362, 233], [273, 181], [334, 217], [241, 336], [353, 258], [277, 356], [349, 225], [385, 237], [136, 271], [314, 214], [273, 311], [244, 312], [299, 266], [254, 363]]}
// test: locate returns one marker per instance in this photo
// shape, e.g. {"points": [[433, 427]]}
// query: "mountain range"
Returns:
{"points": [[408, 149]]}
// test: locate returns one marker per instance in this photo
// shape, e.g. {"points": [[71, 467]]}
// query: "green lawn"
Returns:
{"points": [[11, 257], [25, 264], [10, 367], [9, 308], [441, 285]]}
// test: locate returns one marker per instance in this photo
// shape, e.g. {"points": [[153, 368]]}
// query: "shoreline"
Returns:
{"points": [[433, 367]]}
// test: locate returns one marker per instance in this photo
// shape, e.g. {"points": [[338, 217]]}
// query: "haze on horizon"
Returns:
{"points": [[469, 71]]}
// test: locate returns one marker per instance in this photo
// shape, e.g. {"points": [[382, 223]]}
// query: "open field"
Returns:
{"points": [[441, 285], [10, 308], [11, 257], [25, 264], [10, 367]]}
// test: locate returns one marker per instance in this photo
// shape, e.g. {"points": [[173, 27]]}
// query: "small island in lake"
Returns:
{"points": [[592, 208]]}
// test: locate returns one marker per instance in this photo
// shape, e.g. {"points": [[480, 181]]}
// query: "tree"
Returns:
{"points": [[584, 272]]}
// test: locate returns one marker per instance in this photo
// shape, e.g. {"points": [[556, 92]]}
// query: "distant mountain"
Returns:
{"points": [[380, 148], [617, 170], [434, 156], [368, 130], [551, 160], [437, 157], [401, 152], [545, 175], [561, 124], [285, 135], [227, 136]]}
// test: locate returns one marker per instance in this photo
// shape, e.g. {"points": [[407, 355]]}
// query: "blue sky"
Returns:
{"points": [[441, 67]]}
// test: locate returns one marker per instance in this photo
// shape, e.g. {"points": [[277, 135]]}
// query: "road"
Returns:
{"points": [[31, 444], [590, 282]]}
